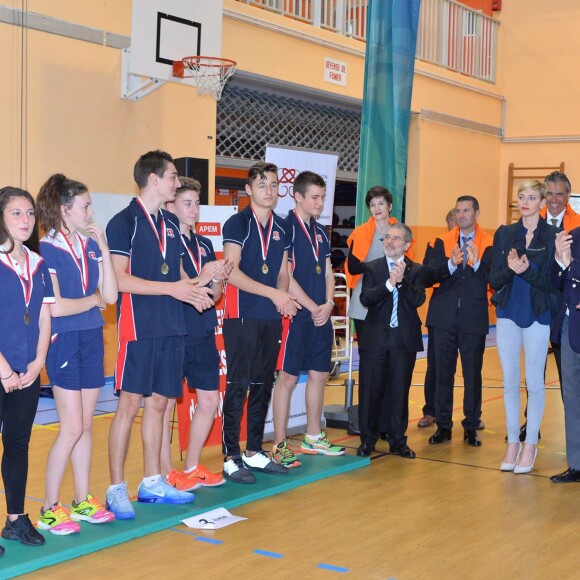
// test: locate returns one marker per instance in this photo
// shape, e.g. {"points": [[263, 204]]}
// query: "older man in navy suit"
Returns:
{"points": [[392, 290], [566, 330]]}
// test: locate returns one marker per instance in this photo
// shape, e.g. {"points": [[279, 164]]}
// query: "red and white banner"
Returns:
{"points": [[292, 161]]}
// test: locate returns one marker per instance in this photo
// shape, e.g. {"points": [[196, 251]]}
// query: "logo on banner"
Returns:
{"points": [[209, 229], [286, 181]]}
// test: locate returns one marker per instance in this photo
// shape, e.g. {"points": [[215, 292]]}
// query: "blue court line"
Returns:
{"points": [[268, 554], [332, 568], [208, 540]]}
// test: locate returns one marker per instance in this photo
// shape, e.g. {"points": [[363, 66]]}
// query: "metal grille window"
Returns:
{"points": [[248, 120]]}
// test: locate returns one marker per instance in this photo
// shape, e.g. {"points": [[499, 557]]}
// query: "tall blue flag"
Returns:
{"points": [[389, 68]]}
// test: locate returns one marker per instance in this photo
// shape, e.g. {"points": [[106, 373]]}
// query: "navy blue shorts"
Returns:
{"points": [[75, 359], [307, 347], [150, 366], [201, 365]]}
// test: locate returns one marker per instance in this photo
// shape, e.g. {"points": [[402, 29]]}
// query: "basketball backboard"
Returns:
{"points": [[166, 30]]}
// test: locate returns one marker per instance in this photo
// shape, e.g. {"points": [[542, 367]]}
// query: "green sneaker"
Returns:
{"points": [[321, 446], [284, 455]]}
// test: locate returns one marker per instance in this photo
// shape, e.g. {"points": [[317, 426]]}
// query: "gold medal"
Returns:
{"points": [[26, 318], [164, 269], [264, 268], [318, 269]]}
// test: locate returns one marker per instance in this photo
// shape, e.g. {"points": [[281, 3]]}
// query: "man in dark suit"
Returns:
{"points": [[388, 346], [458, 313], [566, 331]]}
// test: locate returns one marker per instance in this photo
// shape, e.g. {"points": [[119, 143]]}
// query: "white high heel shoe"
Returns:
{"points": [[526, 469], [511, 466]]}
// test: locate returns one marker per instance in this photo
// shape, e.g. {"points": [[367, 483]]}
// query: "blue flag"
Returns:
{"points": [[389, 69]]}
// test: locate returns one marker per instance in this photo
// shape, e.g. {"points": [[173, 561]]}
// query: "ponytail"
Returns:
{"points": [[58, 191]]}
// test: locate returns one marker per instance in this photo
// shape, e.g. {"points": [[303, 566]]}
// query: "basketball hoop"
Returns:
{"points": [[210, 73]]}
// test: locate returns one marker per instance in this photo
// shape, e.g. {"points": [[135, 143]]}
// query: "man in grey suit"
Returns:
{"points": [[566, 330]]}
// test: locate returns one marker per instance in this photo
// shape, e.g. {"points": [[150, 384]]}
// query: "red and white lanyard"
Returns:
{"points": [[265, 243], [196, 262], [160, 239], [314, 244], [82, 262], [27, 284]]}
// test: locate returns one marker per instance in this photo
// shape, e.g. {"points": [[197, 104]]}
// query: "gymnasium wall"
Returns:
{"points": [[62, 111], [537, 75]]}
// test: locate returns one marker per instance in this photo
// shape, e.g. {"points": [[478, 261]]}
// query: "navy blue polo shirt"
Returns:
{"points": [[18, 340], [303, 258], [57, 255], [242, 229], [198, 325], [130, 234]]}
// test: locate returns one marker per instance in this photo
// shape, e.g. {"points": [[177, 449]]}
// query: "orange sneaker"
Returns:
{"points": [[199, 477]]}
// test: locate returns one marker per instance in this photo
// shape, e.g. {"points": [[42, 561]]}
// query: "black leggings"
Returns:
{"points": [[17, 411]]}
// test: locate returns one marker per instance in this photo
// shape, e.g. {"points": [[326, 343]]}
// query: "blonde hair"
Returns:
{"points": [[533, 185]]}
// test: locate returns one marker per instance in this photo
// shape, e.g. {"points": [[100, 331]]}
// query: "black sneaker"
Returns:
{"points": [[236, 471], [261, 461], [21, 529]]}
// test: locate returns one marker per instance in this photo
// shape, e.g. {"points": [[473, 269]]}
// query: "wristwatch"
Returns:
{"points": [[331, 302]]}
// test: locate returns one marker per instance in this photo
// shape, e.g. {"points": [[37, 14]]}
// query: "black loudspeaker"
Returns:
{"points": [[198, 169]]}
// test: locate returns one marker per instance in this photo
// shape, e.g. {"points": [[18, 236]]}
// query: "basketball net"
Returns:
{"points": [[209, 73]]}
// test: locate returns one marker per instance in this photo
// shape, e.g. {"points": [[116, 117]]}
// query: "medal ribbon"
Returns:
{"points": [[314, 243], [83, 263], [26, 284], [161, 240], [266, 243], [196, 263]]}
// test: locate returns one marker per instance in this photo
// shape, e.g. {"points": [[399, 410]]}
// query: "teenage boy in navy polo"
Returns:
{"points": [[256, 298], [308, 344], [146, 251]]}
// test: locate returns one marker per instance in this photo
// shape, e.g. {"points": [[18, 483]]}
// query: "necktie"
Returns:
{"points": [[554, 221], [464, 240], [394, 316]]}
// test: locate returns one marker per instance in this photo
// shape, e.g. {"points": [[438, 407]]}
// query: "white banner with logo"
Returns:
{"points": [[292, 161]]}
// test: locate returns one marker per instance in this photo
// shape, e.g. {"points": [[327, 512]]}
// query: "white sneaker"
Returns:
{"points": [[236, 471], [118, 502], [261, 461]]}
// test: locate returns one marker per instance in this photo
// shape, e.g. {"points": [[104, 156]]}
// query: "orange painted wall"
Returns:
{"points": [[77, 123]]}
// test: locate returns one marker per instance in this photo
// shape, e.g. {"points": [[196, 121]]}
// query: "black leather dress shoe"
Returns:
{"points": [[440, 436], [569, 476], [403, 450], [471, 437], [365, 450]]}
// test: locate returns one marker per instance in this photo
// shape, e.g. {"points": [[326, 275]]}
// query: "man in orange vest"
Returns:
{"points": [[458, 313], [558, 211]]}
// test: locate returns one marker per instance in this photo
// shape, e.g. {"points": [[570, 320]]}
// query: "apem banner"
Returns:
{"points": [[290, 162]]}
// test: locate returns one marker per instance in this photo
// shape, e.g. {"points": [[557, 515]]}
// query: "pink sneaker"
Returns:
{"points": [[56, 520], [89, 510]]}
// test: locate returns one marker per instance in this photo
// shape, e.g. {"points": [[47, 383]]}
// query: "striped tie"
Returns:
{"points": [[464, 242], [394, 316]]}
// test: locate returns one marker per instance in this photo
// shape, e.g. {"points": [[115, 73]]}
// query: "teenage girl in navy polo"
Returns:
{"points": [[201, 364], [84, 281], [25, 295]]}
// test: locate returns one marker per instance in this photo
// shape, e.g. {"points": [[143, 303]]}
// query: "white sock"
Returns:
{"points": [[317, 436], [190, 470], [152, 480]]}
